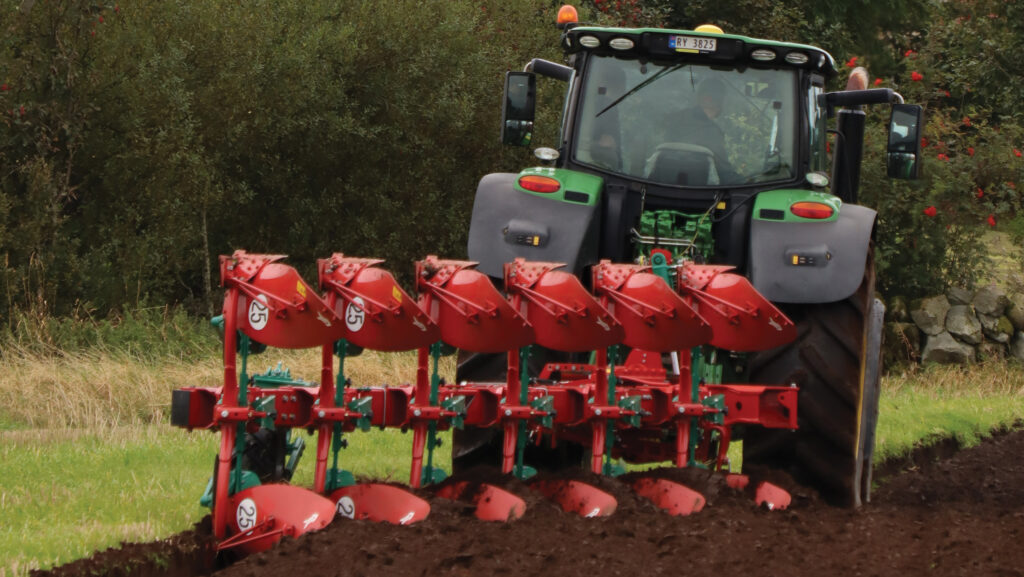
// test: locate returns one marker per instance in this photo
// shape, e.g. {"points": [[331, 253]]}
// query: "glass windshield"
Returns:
{"points": [[687, 124]]}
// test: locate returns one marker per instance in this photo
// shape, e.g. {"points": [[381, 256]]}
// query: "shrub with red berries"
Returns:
{"points": [[631, 13]]}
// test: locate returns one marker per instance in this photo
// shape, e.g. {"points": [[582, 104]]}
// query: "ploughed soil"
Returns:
{"points": [[960, 513]]}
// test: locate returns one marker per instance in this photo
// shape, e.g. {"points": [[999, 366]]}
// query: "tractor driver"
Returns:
{"points": [[698, 126]]}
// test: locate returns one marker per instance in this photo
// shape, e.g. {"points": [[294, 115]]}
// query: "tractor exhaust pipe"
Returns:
{"points": [[849, 154]]}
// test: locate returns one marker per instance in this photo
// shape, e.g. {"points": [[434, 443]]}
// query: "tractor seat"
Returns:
{"points": [[682, 164]]}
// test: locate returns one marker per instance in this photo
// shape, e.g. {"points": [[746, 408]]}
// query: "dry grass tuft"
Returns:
{"points": [[992, 378], [102, 389]]}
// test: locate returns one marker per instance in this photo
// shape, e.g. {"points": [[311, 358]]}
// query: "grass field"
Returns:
{"points": [[88, 461]]}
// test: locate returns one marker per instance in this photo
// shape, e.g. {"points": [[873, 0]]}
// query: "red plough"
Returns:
{"points": [[652, 406]]}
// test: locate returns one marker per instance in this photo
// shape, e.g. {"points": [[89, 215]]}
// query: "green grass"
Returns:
{"points": [[66, 492], [943, 401]]}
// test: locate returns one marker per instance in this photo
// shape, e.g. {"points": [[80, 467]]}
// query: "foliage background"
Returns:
{"points": [[139, 140]]}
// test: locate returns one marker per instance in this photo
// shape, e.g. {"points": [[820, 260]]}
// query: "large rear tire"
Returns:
{"points": [[835, 360]]}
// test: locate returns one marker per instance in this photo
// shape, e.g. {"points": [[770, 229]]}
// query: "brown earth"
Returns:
{"points": [[962, 515]]}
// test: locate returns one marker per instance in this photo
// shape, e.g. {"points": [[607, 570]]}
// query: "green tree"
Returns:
{"points": [[47, 73]]}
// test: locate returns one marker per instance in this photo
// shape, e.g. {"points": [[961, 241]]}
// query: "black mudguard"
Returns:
{"points": [[507, 224], [811, 262]]}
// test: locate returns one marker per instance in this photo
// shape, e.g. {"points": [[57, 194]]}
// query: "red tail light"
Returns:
{"points": [[535, 183], [817, 210]]}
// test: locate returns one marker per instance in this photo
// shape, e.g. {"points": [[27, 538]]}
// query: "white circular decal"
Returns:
{"points": [[347, 507], [354, 315], [258, 315], [245, 515]]}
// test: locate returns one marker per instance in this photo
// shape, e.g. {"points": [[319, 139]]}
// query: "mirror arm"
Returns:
{"points": [[831, 100], [549, 69]]}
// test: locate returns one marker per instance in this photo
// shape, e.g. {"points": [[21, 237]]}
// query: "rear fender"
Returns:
{"points": [[509, 222], [806, 261]]}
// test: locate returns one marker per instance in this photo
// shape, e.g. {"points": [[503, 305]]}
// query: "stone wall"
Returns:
{"points": [[958, 327]]}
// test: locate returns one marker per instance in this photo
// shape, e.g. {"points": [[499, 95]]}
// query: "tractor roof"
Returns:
{"points": [[697, 46]]}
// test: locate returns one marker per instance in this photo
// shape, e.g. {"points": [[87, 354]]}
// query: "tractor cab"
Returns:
{"points": [[683, 120]]}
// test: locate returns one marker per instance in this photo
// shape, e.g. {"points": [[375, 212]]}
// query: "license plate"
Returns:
{"points": [[697, 44]]}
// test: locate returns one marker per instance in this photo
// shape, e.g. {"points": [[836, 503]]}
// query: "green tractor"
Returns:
{"points": [[696, 145]]}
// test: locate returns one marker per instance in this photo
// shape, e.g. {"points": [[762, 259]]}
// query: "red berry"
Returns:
{"points": [[930, 211]]}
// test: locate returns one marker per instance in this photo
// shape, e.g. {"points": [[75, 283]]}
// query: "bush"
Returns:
{"points": [[164, 134], [929, 232]]}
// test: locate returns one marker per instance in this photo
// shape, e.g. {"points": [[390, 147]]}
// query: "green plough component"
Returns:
{"points": [[278, 377], [363, 406], [432, 474], [338, 478], [546, 404], [266, 405], [457, 405], [715, 402], [248, 479], [631, 403]]}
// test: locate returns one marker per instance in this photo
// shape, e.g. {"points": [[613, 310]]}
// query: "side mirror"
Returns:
{"points": [[903, 153], [519, 108]]}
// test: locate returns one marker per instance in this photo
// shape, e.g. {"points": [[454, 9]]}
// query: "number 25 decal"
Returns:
{"points": [[258, 313], [245, 515]]}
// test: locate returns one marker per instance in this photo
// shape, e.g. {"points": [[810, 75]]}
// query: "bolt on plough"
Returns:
{"points": [[640, 395]]}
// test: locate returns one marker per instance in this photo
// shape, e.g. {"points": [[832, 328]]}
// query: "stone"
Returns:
{"points": [[901, 344], [897, 310], [959, 296], [989, 351], [929, 314], [1015, 311], [1017, 346], [944, 349], [1005, 327], [998, 329], [962, 324], [990, 300]]}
